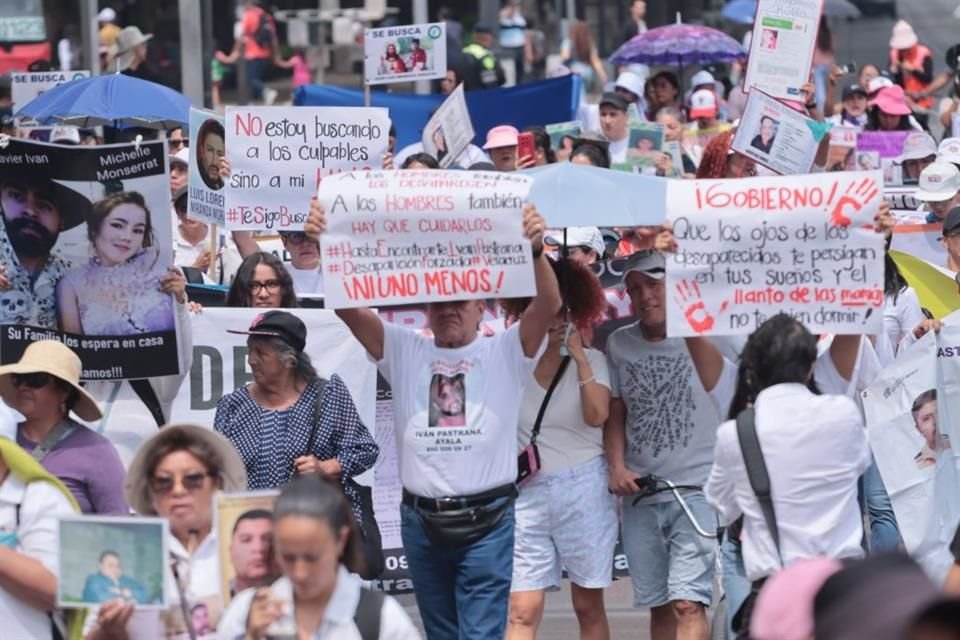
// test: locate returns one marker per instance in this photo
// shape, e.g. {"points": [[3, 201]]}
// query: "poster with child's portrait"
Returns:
{"points": [[245, 523]]}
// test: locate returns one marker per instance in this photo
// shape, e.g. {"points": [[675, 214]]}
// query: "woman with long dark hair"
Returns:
{"points": [[814, 458], [262, 281]]}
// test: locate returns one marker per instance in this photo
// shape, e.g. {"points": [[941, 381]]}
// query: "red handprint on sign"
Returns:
{"points": [[856, 196], [694, 310]]}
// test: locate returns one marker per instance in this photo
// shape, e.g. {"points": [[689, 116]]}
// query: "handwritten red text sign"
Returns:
{"points": [[751, 248], [423, 236]]}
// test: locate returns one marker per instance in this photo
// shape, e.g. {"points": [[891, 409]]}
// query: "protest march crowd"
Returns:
{"points": [[749, 392]]}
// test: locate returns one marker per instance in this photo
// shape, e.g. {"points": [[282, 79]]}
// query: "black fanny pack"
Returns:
{"points": [[459, 522]]}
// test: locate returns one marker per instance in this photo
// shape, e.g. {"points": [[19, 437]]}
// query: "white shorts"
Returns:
{"points": [[565, 520]]}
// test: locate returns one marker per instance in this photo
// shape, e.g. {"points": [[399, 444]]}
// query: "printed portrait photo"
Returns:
{"points": [[246, 544], [766, 135], [645, 142], [209, 152], [448, 401], [768, 39], [924, 413], [868, 160], [104, 559]]}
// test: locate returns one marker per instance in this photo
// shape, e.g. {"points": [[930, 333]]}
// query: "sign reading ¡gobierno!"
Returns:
{"points": [[398, 237]]}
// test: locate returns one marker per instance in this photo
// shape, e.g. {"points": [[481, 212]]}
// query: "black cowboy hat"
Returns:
{"points": [[74, 208]]}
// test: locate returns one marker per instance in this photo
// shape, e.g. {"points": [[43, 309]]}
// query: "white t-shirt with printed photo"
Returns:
{"points": [[455, 410]]}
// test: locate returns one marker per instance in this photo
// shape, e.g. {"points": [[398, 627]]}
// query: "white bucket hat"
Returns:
{"points": [[58, 360], [122, 53], [903, 36]]}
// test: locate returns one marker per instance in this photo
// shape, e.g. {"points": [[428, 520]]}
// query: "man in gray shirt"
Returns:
{"points": [[668, 395]]}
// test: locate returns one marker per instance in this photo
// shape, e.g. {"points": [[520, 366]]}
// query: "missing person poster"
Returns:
{"points": [[645, 146], [24, 87], [776, 136], [753, 247], [843, 149], [882, 150], [399, 237], [245, 523], [207, 149], [911, 411], [404, 53], [279, 156], [562, 136], [86, 245], [781, 49], [449, 131]]}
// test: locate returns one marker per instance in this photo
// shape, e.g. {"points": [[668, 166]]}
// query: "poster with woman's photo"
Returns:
{"points": [[883, 150], [450, 130], [910, 411], [207, 149], [112, 558], [776, 136], [405, 52], [842, 155], [562, 136], [781, 49], [245, 523], [85, 249]]}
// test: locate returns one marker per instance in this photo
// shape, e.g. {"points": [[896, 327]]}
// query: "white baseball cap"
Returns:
{"points": [[649, 262], [938, 182], [949, 150], [918, 145], [578, 237], [65, 134], [631, 82], [702, 77], [880, 82], [107, 15], [181, 157], [703, 104]]}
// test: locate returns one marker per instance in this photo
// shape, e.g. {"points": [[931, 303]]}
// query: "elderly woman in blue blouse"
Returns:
{"points": [[274, 422], [125, 288]]}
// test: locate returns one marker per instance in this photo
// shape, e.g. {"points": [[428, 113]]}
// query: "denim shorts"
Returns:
{"points": [[668, 559], [565, 520]]}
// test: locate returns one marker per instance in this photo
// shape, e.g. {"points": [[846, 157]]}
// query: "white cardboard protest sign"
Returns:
{"points": [[24, 87], [418, 236], [279, 156], [449, 131], [404, 53], [781, 50], [753, 247], [205, 188], [775, 135], [911, 410]]}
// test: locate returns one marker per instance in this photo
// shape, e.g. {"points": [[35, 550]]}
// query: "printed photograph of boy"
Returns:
{"points": [[110, 583], [924, 413]]}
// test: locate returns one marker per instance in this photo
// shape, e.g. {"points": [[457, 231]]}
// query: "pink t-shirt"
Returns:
{"points": [[301, 72]]}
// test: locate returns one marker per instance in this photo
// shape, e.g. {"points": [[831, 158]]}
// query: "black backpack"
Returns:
{"points": [[263, 36]]}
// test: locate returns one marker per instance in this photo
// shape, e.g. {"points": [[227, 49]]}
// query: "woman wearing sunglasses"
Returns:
{"points": [[174, 476], [44, 387]]}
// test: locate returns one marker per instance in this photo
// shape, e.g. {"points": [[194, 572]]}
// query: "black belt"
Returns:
{"points": [[459, 502]]}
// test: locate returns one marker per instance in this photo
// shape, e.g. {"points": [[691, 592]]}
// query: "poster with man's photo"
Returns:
{"points": [[205, 192], [449, 131], [776, 136], [85, 251], [404, 53], [911, 410]]}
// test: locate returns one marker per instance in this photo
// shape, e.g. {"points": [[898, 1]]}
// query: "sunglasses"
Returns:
{"points": [[191, 482], [176, 144], [294, 237], [36, 380]]}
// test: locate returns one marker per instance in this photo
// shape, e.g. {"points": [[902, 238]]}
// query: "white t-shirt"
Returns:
{"points": [[565, 440], [829, 380], [618, 150], [337, 622], [671, 424], [307, 282], [42, 505], [899, 318], [455, 410], [201, 571]]}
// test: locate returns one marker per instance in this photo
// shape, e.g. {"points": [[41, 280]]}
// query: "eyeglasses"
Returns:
{"points": [[294, 237], [177, 144], [270, 285], [162, 485], [36, 380]]}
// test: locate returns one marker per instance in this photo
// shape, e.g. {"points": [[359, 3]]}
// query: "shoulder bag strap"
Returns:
{"points": [[315, 420], [56, 435], [367, 615], [757, 472], [546, 398]]}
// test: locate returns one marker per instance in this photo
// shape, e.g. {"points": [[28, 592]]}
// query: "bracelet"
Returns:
{"points": [[584, 383]]}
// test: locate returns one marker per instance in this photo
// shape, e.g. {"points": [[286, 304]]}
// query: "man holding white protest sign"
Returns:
{"points": [[456, 402]]}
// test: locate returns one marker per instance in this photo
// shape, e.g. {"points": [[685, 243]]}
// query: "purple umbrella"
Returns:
{"points": [[679, 44]]}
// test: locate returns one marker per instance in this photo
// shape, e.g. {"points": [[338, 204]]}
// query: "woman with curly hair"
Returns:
{"points": [[262, 281], [553, 529], [719, 161]]}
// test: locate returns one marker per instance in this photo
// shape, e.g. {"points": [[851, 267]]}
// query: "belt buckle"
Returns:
{"points": [[446, 503]]}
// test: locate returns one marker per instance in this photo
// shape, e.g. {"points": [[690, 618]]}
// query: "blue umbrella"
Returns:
{"points": [[113, 100], [574, 195], [743, 11]]}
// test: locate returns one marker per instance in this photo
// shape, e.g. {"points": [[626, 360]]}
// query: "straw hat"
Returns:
{"points": [[121, 53], [233, 473], [57, 359]]}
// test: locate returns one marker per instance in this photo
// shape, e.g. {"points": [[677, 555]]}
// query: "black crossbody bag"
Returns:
{"points": [[528, 462]]}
